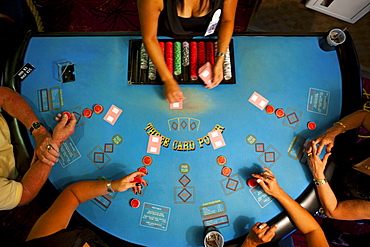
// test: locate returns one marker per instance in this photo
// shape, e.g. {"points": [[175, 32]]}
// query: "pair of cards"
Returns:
{"points": [[154, 144], [217, 139], [112, 115], [258, 100]]}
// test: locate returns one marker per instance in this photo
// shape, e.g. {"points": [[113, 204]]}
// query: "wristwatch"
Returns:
{"points": [[35, 126], [109, 187]]}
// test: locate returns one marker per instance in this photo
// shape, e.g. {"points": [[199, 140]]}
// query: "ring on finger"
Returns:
{"points": [[309, 154], [49, 147], [261, 226]]}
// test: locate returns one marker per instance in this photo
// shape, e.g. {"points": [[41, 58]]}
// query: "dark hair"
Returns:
{"points": [[180, 4]]}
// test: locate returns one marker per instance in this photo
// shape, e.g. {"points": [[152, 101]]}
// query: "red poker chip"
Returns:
{"points": [[135, 203], [143, 169], [226, 171], [280, 113], [87, 112], [139, 179], [98, 109], [221, 160], [311, 125], [252, 182], [147, 160], [69, 115], [270, 109]]}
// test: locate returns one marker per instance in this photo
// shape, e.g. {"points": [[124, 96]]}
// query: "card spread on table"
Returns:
{"points": [[112, 115], [258, 100], [176, 105], [206, 74], [217, 139], [154, 144]]}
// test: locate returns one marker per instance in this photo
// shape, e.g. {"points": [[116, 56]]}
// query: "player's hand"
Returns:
{"points": [[218, 74], [127, 182], [64, 128], [173, 92], [260, 233], [316, 164], [268, 182], [43, 153], [326, 139]]}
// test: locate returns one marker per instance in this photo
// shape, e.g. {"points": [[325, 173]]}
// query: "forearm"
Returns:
{"points": [[357, 119], [155, 53], [87, 190], [328, 199], [352, 121], [224, 35], [16, 106], [300, 216], [33, 181], [248, 243], [59, 214]]}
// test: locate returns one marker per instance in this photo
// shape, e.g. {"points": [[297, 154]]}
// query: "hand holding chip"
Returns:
{"points": [[268, 182], [127, 182], [64, 128]]}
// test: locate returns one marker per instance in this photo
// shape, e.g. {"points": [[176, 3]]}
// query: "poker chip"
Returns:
{"points": [[143, 169], [87, 112], [135, 203], [252, 182], [221, 160], [279, 113], [226, 171], [69, 115], [147, 160], [139, 179], [311, 125], [270, 109], [98, 109]]}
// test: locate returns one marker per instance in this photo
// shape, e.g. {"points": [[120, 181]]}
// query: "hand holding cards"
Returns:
{"points": [[206, 73]]}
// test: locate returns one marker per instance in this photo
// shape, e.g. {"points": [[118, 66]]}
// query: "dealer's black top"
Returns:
{"points": [[172, 25], [67, 238]]}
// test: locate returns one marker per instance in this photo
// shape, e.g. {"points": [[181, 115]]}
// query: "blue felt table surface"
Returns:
{"points": [[281, 69]]}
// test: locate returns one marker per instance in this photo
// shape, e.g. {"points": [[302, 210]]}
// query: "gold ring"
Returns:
{"points": [[309, 154], [49, 147]]}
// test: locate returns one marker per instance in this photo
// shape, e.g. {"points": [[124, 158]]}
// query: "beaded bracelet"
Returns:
{"points": [[341, 124]]}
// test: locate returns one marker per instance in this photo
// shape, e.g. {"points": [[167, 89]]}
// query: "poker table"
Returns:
{"points": [[188, 189]]}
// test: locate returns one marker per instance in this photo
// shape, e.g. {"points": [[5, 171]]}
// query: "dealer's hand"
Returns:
{"points": [[218, 73], [173, 92]]}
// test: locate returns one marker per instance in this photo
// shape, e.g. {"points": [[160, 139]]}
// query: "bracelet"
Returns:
{"points": [[109, 188], [220, 54], [341, 124], [320, 181]]}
